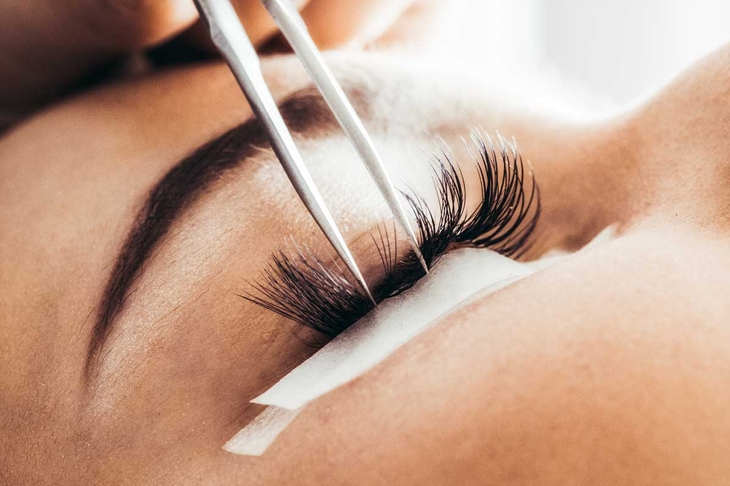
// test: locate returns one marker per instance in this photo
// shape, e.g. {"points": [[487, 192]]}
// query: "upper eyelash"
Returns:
{"points": [[299, 286]]}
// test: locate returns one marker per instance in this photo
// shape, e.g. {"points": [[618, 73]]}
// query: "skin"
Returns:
{"points": [[49, 46], [608, 368]]}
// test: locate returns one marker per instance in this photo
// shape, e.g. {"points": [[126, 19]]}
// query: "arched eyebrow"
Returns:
{"points": [[304, 113]]}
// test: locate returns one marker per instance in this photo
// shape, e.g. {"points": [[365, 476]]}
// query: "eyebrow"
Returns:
{"points": [[305, 113]]}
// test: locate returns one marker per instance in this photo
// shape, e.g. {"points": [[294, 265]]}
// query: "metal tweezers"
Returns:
{"points": [[232, 41]]}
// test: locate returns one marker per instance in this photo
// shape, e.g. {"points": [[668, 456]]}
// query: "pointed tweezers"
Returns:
{"points": [[231, 40]]}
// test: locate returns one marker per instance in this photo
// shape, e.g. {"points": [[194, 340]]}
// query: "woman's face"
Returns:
{"points": [[595, 355]]}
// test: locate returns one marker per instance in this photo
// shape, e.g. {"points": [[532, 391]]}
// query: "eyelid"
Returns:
{"points": [[299, 286]]}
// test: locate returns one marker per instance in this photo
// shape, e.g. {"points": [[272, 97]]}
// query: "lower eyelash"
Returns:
{"points": [[298, 285]]}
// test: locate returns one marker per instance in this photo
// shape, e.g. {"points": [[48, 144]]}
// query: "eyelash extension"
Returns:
{"points": [[300, 286]]}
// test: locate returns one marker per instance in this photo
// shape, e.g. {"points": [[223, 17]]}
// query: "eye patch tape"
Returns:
{"points": [[457, 276]]}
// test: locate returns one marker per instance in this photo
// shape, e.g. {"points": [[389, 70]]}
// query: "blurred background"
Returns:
{"points": [[618, 50]]}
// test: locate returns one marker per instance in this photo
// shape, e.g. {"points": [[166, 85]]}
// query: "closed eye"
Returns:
{"points": [[300, 286]]}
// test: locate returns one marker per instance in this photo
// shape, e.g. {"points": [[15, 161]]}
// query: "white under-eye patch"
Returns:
{"points": [[456, 277]]}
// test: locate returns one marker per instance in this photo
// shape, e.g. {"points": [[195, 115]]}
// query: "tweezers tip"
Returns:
{"points": [[370, 295], [419, 255]]}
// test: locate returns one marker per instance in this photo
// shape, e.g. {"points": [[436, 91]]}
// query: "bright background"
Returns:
{"points": [[619, 49]]}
